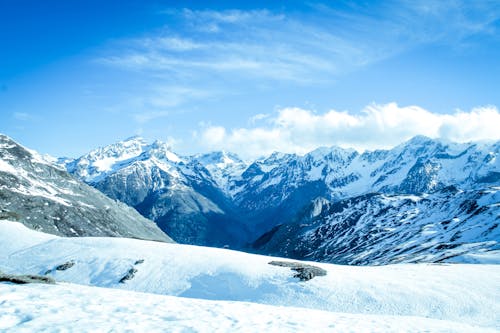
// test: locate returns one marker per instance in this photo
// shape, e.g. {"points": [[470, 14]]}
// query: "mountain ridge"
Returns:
{"points": [[45, 197]]}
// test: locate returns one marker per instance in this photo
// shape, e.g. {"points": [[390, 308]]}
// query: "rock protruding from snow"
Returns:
{"points": [[25, 278], [129, 276], [304, 272]]}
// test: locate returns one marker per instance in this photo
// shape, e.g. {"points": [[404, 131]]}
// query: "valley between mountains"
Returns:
{"points": [[422, 201]]}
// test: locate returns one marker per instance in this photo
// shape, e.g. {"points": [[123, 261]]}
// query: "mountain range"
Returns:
{"points": [[423, 200]]}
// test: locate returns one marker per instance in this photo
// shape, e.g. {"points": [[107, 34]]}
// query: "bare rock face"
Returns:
{"points": [[24, 279], [304, 272], [62, 267], [45, 197], [129, 276]]}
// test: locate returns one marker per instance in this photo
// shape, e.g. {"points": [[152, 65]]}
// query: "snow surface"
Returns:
{"points": [[464, 294], [6, 167], [15, 236], [88, 309]]}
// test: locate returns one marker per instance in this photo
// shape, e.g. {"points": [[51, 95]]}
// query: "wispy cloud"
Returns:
{"points": [[22, 116], [297, 130], [156, 101], [302, 48], [207, 52], [258, 117], [253, 44]]}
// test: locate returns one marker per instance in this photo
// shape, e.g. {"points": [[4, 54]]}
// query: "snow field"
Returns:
{"points": [[373, 296], [73, 308]]}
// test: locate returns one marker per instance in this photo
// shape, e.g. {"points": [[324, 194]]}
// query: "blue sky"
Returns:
{"points": [[251, 77]]}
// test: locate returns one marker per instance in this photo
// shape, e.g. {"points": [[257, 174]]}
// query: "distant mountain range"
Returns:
{"points": [[424, 200], [45, 197]]}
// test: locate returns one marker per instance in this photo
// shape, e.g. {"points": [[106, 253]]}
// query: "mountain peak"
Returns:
{"points": [[134, 138], [162, 150], [419, 140], [322, 152], [221, 157]]}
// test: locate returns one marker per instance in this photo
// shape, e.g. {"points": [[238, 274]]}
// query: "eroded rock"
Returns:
{"points": [[129, 276], [303, 271], [24, 279]]}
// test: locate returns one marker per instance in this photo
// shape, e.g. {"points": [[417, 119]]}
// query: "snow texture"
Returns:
{"points": [[381, 298], [68, 307]]}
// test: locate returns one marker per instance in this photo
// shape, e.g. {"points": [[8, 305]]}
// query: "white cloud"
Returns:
{"points": [[213, 135], [252, 44], [297, 130], [258, 117], [232, 16]]}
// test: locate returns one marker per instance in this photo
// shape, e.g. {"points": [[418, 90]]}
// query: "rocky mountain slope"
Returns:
{"points": [[218, 199], [45, 197], [282, 184], [178, 193], [448, 225]]}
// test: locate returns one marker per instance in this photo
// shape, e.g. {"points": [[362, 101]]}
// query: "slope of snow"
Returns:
{"points": [[15, 236], [466, 294], [70, 307], [6, 167]]}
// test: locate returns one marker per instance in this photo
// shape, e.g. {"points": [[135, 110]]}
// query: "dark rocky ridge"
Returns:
{"points": [[304, 272], [46, 198]]}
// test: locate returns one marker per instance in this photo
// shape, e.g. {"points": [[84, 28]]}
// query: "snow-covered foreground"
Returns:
{"points": [[90, 309], [397, 297]]}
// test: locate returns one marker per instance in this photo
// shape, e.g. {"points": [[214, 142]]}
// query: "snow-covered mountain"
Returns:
{"points": [[448, 225], [284, 183], [178, 193], [223, 167], [218, 199], [45, 197], [181, 287]]}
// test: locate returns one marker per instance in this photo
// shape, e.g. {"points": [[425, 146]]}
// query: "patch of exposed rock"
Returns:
{"points": [[303, 271], [129, 276], [62, 267], [24, 279]]}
